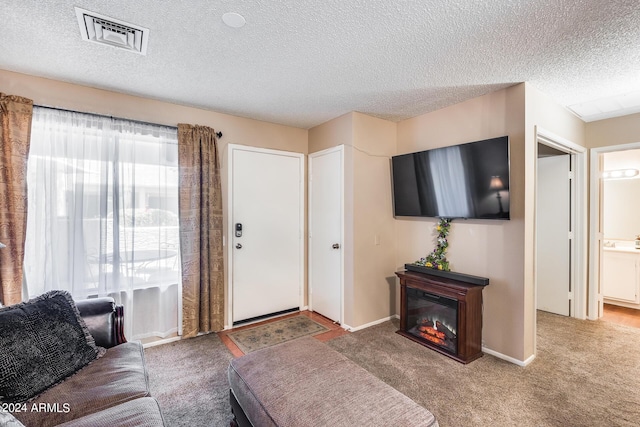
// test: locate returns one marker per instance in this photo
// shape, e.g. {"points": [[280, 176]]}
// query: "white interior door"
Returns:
{"points": [[266, 198], [553, 241], [325, 232]]}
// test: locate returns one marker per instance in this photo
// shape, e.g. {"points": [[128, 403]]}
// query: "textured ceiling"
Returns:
{"points": [[303, 62]]}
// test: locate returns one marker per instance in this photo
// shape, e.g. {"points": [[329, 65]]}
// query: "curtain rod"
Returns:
{"points": [[218, 134]]}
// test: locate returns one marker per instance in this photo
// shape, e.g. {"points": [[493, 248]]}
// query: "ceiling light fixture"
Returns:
{"points": [[620, 174], [234, 20]]}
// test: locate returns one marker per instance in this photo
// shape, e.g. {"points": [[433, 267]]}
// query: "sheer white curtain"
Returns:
{"points": [[103, 215]]}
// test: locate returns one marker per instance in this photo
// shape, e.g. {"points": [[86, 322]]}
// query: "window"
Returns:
{"points": [[103, 215]]}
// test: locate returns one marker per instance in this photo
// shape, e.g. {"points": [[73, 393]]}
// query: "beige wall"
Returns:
{"points": [[616, 131], [374, 142], [493, 249], [236, 130], [545, 113], [338, 131], [369, 244]]}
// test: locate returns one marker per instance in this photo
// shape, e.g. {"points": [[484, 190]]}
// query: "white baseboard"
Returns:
{"points": [[484, 349], [160, 342], [162, 335], [509, 358], [367, 325]]}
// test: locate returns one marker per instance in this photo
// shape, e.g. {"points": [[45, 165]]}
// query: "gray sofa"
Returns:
{"points": [[304, 382], [112, 390]]}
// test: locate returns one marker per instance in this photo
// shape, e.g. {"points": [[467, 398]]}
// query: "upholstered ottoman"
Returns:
{"points": [[304, 383]]}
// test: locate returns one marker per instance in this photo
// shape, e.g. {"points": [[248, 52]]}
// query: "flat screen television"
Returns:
{"points": [[468, 181]]}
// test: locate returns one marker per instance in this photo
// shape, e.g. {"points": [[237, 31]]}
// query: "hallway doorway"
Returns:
{"points": [[561, 226], [613, 279]]}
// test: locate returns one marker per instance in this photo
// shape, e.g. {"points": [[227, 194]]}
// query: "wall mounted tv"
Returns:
{"points": [[462, 181]]}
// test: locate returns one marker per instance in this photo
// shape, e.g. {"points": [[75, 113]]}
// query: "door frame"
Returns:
{"points": [[230, 228], [340, 149], [578, 263], [596, 299]]}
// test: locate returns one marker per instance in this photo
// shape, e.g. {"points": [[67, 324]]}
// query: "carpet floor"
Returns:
{"points": [[585, 373], [189, 380]]}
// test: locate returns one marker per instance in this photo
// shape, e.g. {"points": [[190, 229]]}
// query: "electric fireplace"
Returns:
{"points": [[433, 318], [441, 313]]}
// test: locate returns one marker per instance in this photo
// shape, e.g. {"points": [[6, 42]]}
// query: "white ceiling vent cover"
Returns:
{"points": [[112, 32]]}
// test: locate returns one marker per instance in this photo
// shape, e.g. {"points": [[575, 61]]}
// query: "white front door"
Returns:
{"points": [[553, 242], [325, 232], [266, 225]]}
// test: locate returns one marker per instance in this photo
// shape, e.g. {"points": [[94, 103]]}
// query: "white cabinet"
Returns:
{"points": [[621, 275]]}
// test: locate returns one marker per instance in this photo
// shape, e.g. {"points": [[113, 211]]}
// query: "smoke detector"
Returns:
{"points": [[104, 30]]}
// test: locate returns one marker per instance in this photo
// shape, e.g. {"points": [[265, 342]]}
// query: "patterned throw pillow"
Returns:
{"points": [[42, 342], [8, 420]]}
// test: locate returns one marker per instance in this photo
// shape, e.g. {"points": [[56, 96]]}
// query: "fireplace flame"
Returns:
{"points": [[437, 324], [430, 333], [434, 324]]}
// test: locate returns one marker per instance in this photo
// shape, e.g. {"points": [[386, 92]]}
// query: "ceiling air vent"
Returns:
{"points": [[112, 32]]}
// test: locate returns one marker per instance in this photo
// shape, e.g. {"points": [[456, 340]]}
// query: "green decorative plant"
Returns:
{"points": [[437, 259]]}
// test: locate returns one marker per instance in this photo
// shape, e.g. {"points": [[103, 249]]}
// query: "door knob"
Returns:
{"points": [[238, 246], [336, 246]]}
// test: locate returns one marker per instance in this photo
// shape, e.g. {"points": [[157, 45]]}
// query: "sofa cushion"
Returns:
{"points": [[43, 341], [118, 377], [141, 412]]}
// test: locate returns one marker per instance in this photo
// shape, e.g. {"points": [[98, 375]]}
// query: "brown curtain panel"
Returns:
{"points": [[200, 231], [15, 134]]}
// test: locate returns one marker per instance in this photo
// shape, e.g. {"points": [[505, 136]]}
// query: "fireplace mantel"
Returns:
{"points": [[468, 300]]}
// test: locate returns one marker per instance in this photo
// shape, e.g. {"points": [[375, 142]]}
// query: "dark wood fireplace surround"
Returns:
{"points": [[469, 299]]}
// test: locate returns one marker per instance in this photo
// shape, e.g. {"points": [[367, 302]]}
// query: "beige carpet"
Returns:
{"points": [[268, 334], [189, 380], [585, 374]]}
